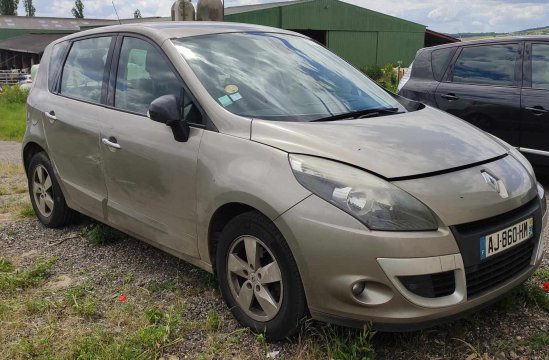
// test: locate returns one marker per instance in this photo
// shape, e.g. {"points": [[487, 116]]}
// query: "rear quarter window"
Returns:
{"points": [[540, 66], [439, 61], [56, 59]]}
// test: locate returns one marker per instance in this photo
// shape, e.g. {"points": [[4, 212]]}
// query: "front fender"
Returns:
{"points": [[236, 170]]}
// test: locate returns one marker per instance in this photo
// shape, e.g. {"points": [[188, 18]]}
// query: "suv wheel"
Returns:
{"points": [[47, 199], [258, 277]]}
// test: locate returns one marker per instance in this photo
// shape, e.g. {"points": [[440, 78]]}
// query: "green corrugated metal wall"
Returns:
{"points": [[359, 35], [389, 52], [344, 44]]}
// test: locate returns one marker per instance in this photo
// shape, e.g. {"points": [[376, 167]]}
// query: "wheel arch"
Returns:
{"points": [[220, 218], [30, 149]]}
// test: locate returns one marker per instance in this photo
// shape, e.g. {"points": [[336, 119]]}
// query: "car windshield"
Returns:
{"points": [[281, 77]]}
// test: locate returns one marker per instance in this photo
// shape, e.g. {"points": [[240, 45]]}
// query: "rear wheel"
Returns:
{"points": [[47, 199], [258, 277]]}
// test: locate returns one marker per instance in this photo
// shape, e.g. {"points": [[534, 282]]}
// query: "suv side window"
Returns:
{"points": [[540, 66], [82, 76], [487, 65], [143, 75], [439, 59], [55, 63]]}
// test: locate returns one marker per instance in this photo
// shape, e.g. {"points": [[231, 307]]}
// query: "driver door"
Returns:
{"points": [[150, 177]]}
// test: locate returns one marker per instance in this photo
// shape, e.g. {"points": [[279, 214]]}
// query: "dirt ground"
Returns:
{"points": [[87, 291]]}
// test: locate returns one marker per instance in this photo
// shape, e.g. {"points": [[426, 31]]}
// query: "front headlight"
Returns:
{"points": [[541, 194], [375, 202]]}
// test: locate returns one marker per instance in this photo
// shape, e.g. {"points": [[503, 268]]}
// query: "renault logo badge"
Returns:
{"points": [[496, 184]]}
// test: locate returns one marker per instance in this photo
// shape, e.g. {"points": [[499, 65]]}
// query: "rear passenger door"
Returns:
{"points": [[535, 103], [482, 87], [72, 111]]}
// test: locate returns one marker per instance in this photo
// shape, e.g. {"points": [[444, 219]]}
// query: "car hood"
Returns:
{"points": [[393, 146]]}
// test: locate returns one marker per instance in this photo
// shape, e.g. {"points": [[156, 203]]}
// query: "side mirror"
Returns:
{"points": [[167, 110]]}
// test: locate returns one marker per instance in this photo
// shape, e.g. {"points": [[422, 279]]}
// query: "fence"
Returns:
{"points": [[9, 77]]}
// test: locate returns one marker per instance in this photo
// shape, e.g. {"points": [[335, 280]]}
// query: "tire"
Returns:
{"points": [[47, 199], [260, 281]]}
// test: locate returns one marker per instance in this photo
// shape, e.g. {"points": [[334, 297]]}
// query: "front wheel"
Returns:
{"points": [[258, 277]]}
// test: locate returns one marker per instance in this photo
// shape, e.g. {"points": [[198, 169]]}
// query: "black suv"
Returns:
{"points": [[500, 85]]}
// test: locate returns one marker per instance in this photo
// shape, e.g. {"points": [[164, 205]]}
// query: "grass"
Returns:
{"points": [[12, 121], [80, 322], [334, 342], [538, 341], [81, 300], [12, 279]]}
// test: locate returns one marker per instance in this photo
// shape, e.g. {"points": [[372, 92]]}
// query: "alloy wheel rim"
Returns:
{"points": [[254, 278], [42, 190]]}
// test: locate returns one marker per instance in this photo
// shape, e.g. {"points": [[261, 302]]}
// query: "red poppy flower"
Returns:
{"points": [[545, 286], [122, 298]]}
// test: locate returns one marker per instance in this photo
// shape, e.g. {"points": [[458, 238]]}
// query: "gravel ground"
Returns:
{"points": [[10, 152], [131, 266]]}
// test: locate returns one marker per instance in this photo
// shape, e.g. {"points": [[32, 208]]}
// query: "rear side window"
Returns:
{"points": [[487, 65], [540, 66], [439, 59], [82, 76], [55, 63]]}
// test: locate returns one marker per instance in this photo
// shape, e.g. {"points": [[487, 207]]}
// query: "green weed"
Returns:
{"points": [[213, 320], [99, 234], [26, 211], [155, 286]]}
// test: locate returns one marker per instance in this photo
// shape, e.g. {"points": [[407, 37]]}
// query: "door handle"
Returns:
{"points": [[50, 115], [111, 142], [537, 110], [450, 97]]}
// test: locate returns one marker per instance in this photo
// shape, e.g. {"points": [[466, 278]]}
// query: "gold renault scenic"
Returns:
{"points": [[258, 155]]}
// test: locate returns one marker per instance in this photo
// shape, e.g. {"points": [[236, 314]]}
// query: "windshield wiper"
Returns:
{"points": [[360, 114]]}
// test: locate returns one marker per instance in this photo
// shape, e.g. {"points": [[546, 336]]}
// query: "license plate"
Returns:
{"points": [[506, 238]]}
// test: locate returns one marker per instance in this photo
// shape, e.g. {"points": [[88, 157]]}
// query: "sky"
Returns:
{"points": [[448, 16]]}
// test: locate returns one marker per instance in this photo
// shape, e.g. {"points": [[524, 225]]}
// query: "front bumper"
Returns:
{"points": [[334, 251]]}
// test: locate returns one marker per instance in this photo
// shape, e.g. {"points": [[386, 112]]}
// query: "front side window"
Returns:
{"points": [[82, 76], [55, 63], [487, 65], [279, 77], [143, 75], [540, 66]]}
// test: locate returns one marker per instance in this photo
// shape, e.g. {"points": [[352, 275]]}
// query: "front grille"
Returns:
{"points": [[484, 274], [497, 270], [430, 285]]}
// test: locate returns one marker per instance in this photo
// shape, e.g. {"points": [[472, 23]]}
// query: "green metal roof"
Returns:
{"points": [[320, 15]]}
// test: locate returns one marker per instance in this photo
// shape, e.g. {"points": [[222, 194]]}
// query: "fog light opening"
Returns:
{"points": [[358, 288]]}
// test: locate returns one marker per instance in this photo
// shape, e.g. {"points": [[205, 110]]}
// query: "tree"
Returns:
{"points": [[9, 7], [137, 14], [78, 9], [30, 10]]}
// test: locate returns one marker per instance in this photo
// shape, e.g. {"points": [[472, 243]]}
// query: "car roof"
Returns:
{"points": [[492, 40], [161, 31]]}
